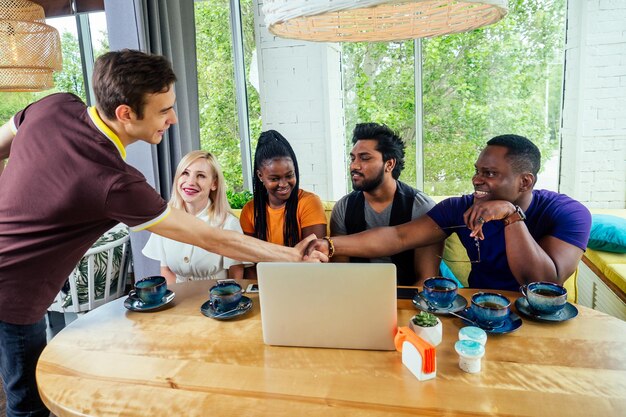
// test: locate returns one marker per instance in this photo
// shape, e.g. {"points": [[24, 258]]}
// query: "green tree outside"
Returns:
{"points": [[219, 129], [71, 78], [504, 78]]}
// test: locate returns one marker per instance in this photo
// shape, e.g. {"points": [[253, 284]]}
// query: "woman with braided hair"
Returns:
{"points": [[280, 211]]}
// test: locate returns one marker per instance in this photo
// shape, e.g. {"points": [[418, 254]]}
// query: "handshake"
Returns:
{"points": [[312, 249]]}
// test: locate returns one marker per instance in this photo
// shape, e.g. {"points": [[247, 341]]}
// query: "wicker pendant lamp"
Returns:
{"points": [[377, 20], [30, 50]]}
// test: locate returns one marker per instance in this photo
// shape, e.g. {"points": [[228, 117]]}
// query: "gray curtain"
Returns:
{"points": [[171, 32], [165, 27]]}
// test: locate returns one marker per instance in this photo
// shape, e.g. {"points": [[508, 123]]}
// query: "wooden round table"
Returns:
{"points": [[177, 362]]}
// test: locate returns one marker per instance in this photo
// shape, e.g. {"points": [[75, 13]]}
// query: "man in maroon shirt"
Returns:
{"points": [[67, 183]]}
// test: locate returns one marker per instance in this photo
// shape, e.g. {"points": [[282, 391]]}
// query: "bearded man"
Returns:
{"points": [[380, 199]]}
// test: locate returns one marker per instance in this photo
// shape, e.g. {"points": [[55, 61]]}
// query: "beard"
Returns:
{"points": [[371, 184]]}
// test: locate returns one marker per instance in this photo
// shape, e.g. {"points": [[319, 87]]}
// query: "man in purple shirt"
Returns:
{"points": [[512, 234]]}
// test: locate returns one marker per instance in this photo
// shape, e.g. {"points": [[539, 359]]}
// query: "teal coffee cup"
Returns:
{"points": [[490, 309], [225, 296], [545, 297], [150, 290], [440, 292]]}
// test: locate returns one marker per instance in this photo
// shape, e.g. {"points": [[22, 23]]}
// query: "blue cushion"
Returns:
{"points": [[608, 233], [447, 272]]}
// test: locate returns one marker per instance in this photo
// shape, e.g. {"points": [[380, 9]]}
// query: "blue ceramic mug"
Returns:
{"points": [[150, 290], [545, 297], [440, 292], [490, 309], [225, 296]]}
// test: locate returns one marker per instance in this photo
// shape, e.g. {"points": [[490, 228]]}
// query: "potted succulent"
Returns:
{"points": [[427, 326]]}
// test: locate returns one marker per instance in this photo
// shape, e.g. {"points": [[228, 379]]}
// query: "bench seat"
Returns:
{"points": [[602, 278]]}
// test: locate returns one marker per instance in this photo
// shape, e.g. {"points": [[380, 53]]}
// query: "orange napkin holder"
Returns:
{"points": [[418, 355]]}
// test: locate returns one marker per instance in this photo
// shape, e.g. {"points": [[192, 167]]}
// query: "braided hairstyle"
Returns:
{"points": [[273, 145]]}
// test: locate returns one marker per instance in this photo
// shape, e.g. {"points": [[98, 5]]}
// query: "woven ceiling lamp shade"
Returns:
{"points": [[30, 50], [377, 20]]}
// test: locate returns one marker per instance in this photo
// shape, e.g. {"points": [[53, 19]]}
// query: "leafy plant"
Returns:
{"points": [[100, 268], [238, 200], [424, 319]]}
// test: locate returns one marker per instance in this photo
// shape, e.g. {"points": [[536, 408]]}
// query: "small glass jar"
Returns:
{"points": [[470, 355], [473, 333]]}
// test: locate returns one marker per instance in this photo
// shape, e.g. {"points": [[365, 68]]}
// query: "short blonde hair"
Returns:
{"points": [[219, 208]]}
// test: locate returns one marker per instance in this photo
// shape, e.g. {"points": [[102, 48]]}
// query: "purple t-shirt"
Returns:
{"points": [[549, 214], [66, 183]]}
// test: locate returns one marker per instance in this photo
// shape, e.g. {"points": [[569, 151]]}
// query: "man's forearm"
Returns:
{"points": [[245, 248], [387, 241], [186, 228], [527, 260], [374, 243]]}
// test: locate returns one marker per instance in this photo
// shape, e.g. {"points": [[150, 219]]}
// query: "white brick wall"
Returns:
{"points": [[301, 97], [593, 156]]}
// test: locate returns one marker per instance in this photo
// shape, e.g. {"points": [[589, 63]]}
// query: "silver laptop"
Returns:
{"points": [[348, 306]]}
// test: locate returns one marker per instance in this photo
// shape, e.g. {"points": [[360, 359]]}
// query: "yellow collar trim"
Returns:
{"points": [[106, 131]]}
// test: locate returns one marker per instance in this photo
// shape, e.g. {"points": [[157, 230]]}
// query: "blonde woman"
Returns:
{"points": [[199, 190]]}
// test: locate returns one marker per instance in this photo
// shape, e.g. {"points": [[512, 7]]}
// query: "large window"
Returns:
{"points": [[219, 116], [379, 87], [505, 78]]}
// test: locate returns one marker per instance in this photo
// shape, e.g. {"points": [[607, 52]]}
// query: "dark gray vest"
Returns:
{"points": [[401, 210]]}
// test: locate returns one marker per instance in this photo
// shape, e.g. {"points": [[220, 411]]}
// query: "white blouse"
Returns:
{"points": [[190, 262]]}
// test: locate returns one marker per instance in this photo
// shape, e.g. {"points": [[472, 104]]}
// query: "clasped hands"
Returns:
{"points": [[311, 250]]}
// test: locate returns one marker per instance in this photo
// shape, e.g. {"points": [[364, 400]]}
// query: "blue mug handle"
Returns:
{"points": [[132, 294], [214, 303], [522, 289]]}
